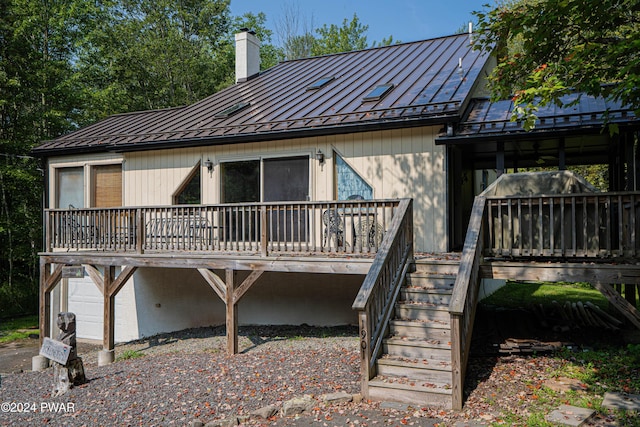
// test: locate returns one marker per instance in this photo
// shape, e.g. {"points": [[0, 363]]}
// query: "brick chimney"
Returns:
{"points": [[247, 55]]}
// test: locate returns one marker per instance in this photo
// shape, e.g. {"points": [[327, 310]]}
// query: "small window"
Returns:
{"points": [[189, 192], [70, 188], [378, 92], [320, 82], [232, 110]]}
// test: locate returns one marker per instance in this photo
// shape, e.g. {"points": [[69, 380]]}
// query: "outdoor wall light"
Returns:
{"points": [[208, 164], [320, 156]]}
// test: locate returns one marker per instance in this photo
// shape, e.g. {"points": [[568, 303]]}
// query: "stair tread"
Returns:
{"points": [[428, 289], [426, 364], [423, 305], [436, 324], [404, 383], [419, 342]]}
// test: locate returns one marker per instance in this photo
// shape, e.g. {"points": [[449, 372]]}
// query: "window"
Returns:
{"points": [[378, 92], [70, 187], [232, 110], [320, 82], [350, 185], [283, 179], [106, 186], [240, 181], [269, 180], [189, 192]]}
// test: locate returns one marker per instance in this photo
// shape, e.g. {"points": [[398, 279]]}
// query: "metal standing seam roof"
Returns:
{"points": [[491, 120], [428, 86]]}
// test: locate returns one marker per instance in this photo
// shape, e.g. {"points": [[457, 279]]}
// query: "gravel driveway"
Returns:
{"points": [[187, 375]]}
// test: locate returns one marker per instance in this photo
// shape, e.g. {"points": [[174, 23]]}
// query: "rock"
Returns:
{"points": [[570, 415], [196, 423], [563, 385], [224, 422], [336, 398], [622, 401], [266, 412], [297, 406]]}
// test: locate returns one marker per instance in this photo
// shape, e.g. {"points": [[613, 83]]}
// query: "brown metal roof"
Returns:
{"points": [[492, 120], [429, 86]]}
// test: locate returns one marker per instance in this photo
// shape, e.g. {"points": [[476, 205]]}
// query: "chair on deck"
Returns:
{"points": [[368, 233], [333, 228]]}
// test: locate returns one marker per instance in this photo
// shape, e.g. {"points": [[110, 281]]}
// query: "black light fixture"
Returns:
{"points": [[208, 164], [320, 156]]}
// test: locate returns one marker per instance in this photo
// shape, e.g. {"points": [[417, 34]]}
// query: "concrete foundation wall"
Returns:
{"points": [[157, 300]]}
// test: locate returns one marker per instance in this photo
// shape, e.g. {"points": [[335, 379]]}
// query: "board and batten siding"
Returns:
{"points": [[396, 163]]}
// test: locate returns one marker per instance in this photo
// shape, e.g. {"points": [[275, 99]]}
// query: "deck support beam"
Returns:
{"points": [[232, 314], [48, 281], [230, 294], [629, 311], [109, 285]]}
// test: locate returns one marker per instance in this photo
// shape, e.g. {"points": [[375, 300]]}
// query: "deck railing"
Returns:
{"points": [[464, 299], [587, 225], [350, 227], [564, 226], [377, 296]]}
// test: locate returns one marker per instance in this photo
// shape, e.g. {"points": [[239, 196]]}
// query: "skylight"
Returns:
{"points": [[378, 92], [232, 110], [320, 82]]}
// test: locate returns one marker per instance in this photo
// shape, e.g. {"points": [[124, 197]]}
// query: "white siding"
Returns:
{"points": [[397, 163]]}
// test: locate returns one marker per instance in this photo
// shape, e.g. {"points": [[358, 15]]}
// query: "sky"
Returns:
{"points": [[405, 20]]}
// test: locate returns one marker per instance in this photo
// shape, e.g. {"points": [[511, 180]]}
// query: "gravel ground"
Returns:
{"points": [[187, 375]]}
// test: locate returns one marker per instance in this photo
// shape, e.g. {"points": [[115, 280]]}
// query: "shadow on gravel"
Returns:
{"points": [[256, 334]]}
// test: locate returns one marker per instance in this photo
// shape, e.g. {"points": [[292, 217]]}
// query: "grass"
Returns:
{"points": [[614, 369], [522, 294], [130, 354], [18, 328]]}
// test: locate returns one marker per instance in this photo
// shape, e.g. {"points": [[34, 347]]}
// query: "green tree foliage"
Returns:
{"points": [[352, 35], [149, 54], [548, 48], [36, 102]]}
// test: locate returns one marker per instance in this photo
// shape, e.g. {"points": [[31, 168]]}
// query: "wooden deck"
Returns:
{"points": [[571, 237], [310, 237]]}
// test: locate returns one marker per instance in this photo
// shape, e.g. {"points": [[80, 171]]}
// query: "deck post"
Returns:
{"points": [[107, 354], [140, 231], [457, 379], [365, 352], [45, 300], [263, 231], [232, 314]]}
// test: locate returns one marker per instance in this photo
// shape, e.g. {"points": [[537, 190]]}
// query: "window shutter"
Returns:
{"points": [[107, 186]]}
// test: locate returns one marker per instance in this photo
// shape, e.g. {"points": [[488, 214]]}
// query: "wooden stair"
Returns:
{"points": [[415, 366]]}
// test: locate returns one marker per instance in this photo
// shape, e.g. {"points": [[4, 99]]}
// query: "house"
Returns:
{"points": [[307, 189]]}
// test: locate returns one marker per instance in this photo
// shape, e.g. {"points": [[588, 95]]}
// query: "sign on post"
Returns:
{"points": [[55, 350], [72, 272]]}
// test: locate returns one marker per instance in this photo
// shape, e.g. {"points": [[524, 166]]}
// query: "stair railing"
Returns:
{"points": [[377, 296], [464, 299]]}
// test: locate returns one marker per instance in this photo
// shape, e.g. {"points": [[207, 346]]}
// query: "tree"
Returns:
{"points": [[548, 48], [37, 102], [144, 54], [295, 32], [333, 39]]}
